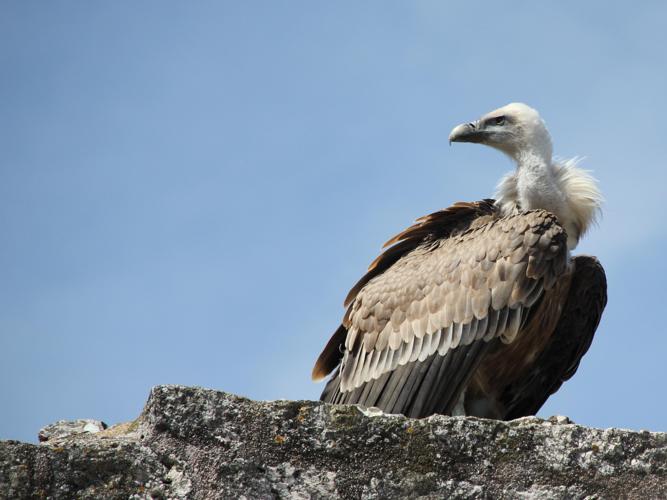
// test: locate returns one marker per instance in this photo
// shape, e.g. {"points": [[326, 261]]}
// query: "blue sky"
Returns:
{"points": [[188, 190]]}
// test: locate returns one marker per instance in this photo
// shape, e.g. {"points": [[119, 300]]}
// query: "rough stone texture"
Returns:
{"points": [[197, 443], [64, 428]]}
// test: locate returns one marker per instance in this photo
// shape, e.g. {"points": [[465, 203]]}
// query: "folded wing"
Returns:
{"points": [[448, 289]]}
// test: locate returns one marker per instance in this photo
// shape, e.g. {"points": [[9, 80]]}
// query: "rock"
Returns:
{"points": [[64, 428], [196, 443]]}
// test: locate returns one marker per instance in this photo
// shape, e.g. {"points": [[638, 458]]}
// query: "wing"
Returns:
{"points": [[571, 339], [431, 227], [417, 328]]}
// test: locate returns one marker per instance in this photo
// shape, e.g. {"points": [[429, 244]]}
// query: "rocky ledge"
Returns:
{"points": [[197, 443]]}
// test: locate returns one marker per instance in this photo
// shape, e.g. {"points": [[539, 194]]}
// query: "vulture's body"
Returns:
{"points": [[478, 309]]}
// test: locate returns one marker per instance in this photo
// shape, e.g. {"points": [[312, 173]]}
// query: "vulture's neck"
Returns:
{"points": [[561, 188]]}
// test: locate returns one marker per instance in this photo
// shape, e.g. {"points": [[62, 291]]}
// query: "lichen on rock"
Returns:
{"points": [[197, 443]]}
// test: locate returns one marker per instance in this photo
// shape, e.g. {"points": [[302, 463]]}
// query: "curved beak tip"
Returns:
{"points": [[465, 132], [457, 132]]}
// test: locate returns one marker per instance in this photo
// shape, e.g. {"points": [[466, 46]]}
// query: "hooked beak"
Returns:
{"points": [[467, 132]]}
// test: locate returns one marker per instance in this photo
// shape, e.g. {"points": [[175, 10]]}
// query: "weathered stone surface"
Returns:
{"points": [[64, 428], [197, 443]]}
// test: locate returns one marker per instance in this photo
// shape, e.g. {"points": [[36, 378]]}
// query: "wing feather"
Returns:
{"points": [[432, 304], [571, 339]]}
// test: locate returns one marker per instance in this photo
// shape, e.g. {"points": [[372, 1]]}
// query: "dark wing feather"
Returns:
{"points": [[331, 354], [415, 389], [571, 339]]}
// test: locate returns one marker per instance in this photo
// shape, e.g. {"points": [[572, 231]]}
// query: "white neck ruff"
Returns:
{"points": [[560, 187]]}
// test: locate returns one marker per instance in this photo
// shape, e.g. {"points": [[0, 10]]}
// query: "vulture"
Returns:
{"points": [[478, 309]]}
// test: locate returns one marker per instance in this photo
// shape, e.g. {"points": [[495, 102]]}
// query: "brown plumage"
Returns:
{"points": [[476, 309]]}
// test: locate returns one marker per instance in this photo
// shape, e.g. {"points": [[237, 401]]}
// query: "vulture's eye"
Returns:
{"points": [[499, 120]]}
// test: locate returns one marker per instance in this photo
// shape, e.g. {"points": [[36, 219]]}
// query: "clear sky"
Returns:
{"points": [[189, 189]]}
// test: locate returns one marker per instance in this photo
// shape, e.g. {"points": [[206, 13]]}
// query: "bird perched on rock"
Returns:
{"points": [[478, 309]]}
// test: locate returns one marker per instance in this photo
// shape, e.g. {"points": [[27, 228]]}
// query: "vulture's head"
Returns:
{"points": [[515, 129]]}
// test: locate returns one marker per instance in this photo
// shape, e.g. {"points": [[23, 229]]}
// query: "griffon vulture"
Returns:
{"points": [[478, 309]]}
